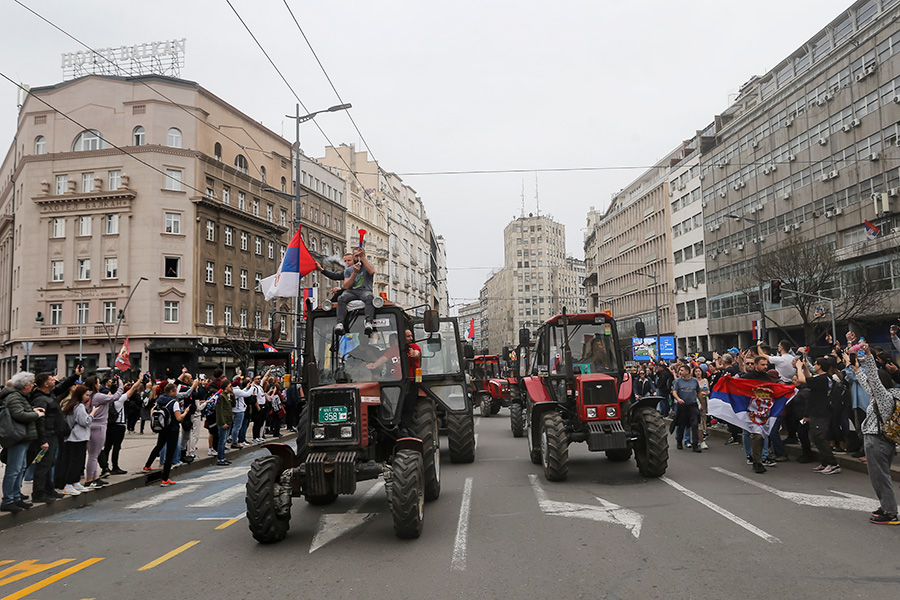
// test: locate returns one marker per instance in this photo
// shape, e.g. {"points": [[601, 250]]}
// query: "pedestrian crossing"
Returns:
{"points": [[220, 498]]}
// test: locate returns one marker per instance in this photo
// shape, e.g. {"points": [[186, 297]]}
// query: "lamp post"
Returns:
{"points": [[762, 299], [112, 348], [120, 316], [80, 325]]}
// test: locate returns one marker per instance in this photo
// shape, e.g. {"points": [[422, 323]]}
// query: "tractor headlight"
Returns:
{"points": [[592, 412], [610, 411], [319, 433], [346, 431]]}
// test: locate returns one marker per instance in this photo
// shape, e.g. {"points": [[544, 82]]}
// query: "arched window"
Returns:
{"points": [[138, 136], [40, 146], [218, 151], [312, 244], [325, 248], [240, 163], [173, 138], [262, 174], [89, 139], [283, 184]]}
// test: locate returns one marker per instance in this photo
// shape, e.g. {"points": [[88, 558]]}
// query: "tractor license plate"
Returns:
{"points": [[332, 414]]}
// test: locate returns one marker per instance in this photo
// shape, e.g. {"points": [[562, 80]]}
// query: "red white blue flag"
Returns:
{"points": [[269, 347], [749, 403], [871, 231], [470, 330], [123, 358], [297, 262]]}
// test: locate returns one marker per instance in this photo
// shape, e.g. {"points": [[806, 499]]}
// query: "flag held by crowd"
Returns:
{"points": [[750, 404], [123, 358], [297, 262]]}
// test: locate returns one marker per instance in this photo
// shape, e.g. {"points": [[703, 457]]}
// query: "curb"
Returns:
{"points": [[130, 482]]}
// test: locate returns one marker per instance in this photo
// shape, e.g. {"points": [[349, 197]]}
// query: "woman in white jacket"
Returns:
{"points": [[74, 454]]}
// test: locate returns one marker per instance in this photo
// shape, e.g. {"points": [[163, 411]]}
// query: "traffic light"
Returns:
{"points": [[23, 364], [775, 291], [640, 330]]}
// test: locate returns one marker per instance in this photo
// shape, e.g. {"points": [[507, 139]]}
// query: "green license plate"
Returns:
{"points": [[332, 414]]}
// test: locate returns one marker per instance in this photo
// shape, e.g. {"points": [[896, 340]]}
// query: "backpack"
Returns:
{"points": [[210, 409], [890, 427], [161, 418]]}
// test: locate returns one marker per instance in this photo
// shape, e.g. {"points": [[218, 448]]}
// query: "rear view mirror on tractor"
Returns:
{"points": [[431, 321], [524, 337]]}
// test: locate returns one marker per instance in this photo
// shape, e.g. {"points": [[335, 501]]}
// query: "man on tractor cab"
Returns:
{"points": [[597, 358]]}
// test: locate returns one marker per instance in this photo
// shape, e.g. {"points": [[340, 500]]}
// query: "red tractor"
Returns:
{"points": [[577, 390], [490, 391]]}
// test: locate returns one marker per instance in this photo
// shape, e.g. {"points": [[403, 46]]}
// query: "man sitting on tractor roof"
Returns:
{"points": [[357, 286]]}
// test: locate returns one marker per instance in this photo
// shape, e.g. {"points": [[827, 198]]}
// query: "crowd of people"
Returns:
{"points": [[72, 430]]}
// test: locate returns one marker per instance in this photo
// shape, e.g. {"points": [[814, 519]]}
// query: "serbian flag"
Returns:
{"points": [[749, 403], [754, 329], [470, 330], [308, 293], [871, 231], [123, 358], [269, 347], [297, 263]]}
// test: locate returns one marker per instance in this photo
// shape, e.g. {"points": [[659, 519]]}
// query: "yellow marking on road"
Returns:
{"points": [[231, 522], [165, 557], [27, 568], [52, 579]]}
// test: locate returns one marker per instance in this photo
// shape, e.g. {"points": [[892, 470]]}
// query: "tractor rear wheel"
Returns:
{"points": [[407, 494], [461, 437], [425, 427], [619, 454], [652, 449], [516, 420], [268, 521], [485, 404], [554, 447]]}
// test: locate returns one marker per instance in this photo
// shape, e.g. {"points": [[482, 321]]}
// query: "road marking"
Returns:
{"points": [[333, 526], [52, 579], [846, 501], [221, 497], [220, 475], [608, 512], [725, 513], [167, 556], [27, 568], [458, 563], [475, 445], [164, 496], [231, 522]]}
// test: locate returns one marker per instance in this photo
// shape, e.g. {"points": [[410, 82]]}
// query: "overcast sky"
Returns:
{"points": [[455, 86]]}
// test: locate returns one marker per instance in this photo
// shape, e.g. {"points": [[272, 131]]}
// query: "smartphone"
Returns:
{"points": [[202, 376], [852, 358]]}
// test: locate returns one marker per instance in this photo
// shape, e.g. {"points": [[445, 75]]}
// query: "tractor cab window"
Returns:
{"points": [[440, 352], [591, 345], [358, 357]]}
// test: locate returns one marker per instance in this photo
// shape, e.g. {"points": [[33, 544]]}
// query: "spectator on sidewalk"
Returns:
{"points": [[148, 397], [102, 400], [14, 398], [115, 432], [757, 368], [74, 454], [224, 421], [818, 414], [49, 433], [168, 437]]}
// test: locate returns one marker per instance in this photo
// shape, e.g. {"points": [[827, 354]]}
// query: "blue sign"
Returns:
{"points": [[644, 348]]}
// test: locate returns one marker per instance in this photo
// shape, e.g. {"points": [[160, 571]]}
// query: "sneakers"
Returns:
{"points": [[369, 327], [820, 468], [877, 512], [70, 490], [94, 485], [831, 469], [679, 445], [118, 471], [769, 462], [77, 485], [147, 469], [696, 449], [759, 468], [704, 446], [236, 446], [859, 453], [167, 482], [782, 458], [884, 519], [339, 329], [211, 452], [749, 460], [732, 441], [11, 507], [105, 472], [223, 463]]}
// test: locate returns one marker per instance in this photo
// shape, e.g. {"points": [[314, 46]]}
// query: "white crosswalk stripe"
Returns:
{"points": [[221, 497], [164, 497]]}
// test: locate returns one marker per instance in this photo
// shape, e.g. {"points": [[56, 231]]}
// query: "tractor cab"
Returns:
{"points": [[489, 389]]}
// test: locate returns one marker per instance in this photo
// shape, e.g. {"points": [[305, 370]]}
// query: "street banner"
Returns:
{"points": [[750, 404], [297, 262]]}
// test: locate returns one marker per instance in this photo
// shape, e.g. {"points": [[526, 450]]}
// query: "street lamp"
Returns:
{"points": [[112, 348], [762, 300], [80, 325]]}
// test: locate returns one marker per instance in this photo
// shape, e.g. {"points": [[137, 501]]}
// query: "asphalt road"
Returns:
{"points": [[499, 530]]}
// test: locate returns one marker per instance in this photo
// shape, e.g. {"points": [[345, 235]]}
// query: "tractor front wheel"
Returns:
{"points": [[485, 404], [269, 520], [425, 427], [554, 447], [461, 437], [407, 494], [652, 448], [516, 420]]}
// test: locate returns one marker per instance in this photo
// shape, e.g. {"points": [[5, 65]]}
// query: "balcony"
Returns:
{"points": [[395, 278], [74, 331], [381, 253], [381, 278]]}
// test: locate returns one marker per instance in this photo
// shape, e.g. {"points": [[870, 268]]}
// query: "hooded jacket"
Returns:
{"points": [[20, 410]]}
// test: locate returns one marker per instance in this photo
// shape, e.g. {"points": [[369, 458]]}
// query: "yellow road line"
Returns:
{"points": [[27, 568], [231, 522], [53, 578], [164, 557]]}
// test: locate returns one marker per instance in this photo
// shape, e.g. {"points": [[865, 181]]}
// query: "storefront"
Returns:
{"points": [[169, 356]]}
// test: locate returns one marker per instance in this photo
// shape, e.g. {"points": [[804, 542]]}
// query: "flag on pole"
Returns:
{"points": [[749, 403], [297, 262], [308, 293], [470, 330], [871, 231], [269, 347], [123, 358], [754, 328]]}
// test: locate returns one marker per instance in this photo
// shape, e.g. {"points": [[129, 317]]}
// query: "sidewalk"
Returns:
{"points": [[135, 450]]}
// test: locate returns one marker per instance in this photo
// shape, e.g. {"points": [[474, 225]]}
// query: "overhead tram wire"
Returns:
{"points": [[145, 84], [106, 141]]}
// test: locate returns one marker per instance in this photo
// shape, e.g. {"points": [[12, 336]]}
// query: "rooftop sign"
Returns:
{"points": [[159, 58]]}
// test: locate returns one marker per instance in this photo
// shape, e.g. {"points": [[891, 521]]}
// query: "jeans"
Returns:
{"points": [[236, 427], [223, 434], [348, 296], [748, 446], [243, 437], [663, 407], [16, 464]]}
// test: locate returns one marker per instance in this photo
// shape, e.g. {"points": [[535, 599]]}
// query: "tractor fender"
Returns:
{"points": [[626, 389], [283, 451], [535, 390], [410, 443], [645, 402]]}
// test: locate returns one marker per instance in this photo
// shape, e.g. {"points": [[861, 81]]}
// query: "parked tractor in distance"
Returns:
{"points": [[490, 391], [350, 427], [578, 391]]}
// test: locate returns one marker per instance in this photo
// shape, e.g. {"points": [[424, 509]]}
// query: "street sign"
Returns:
{"points": [[27, 346]]}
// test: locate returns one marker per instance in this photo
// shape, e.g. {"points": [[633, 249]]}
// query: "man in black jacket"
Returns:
{"points": [[49, 430], [818, 411], [664, 380]]}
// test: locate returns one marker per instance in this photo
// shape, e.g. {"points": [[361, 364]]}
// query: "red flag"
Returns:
{"points": [[123, 359]]}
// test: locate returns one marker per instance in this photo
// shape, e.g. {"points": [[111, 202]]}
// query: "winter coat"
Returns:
{"points": [[224, 405], [20, 410], [52, 423]]}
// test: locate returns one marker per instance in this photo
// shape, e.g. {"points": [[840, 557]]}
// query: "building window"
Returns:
{"points": [[258, 246], [229, 236], [256, 207], [62, 184], [227, 316], [112, 224], [115, 180], [210, 231], [217, 151], [138, 137], [139, 109], [240, 163], [40, 145], [84, 269], [228, 271], [262, 174], [226, 195], [244, 275], [173, 223], [87, 183], [243, 317], [256, 279], [56, 270], [283, 184], [271, 250], [170, 311], [56, 314], [257, 319], [89, 139], [173, 138], [58, 228], [172, 267], [211, 312], [283, 219], [82, 313], [109, 312], [173, 180], [84, 226], [270, 210], [244, 242], [210, 272], [242, 201], [112, 268]]}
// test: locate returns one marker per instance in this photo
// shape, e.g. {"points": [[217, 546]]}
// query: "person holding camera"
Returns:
{"points": [[167, 439], [818, 411], [357, 286], [14, 398], [102, 400], [115, 433]]}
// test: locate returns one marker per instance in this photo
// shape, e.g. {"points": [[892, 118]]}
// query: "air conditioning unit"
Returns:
{"points": [[829, 96], [701, 177], [787, 228], [855, 123], [753, 240], [861, 76], [722, 194], [846, 128], [766, 171], [753, 211], [786, 195], [838, 211], [671, 193], [741, 184], [829, 214], [833, 174], [788, 122], [754, 144], [792, 157], [822, 141], [762, 239], [735, 187], [795, 226], [824, 176], [773, 167], [718, 226], [896, 99], [870, 69], [740, 247], [894, 192], [725, 251], [820, 102], [874, 156]]}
